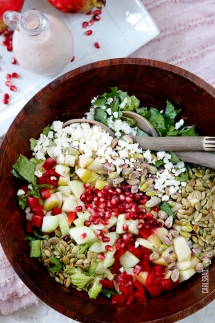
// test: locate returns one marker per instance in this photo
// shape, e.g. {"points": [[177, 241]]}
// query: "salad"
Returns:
{"points": [[106, 217]]}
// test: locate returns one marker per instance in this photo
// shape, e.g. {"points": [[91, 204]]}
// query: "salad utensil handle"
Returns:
{"points": [[197, 157]]}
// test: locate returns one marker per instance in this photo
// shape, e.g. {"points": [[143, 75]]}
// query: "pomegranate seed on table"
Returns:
{"points": [[85, 24], [9, 47], [88, 32], [96, 44], [6, 96], [8, 77], [13, 60], [96, 17], [8, 83], [97, 12], [91, 22], [15, 75], [5, 101], [13, 88]]}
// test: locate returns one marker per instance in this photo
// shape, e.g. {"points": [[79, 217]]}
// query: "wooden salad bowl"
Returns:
{"points": [[68, 97]]}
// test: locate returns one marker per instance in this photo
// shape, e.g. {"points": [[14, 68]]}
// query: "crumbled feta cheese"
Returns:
{"points": [[57, 125], [30, 186], [20, 192], [38, 174], [165, 198], [179, 124]]}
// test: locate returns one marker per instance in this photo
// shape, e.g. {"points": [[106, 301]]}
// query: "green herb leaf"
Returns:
{"points": [[22, 201], [25, 168], [55, 265], [46, 130], [166, 208], [101, 116]]}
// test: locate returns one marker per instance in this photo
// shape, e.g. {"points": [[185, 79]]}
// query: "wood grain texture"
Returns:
{"points": [[69, 97]]}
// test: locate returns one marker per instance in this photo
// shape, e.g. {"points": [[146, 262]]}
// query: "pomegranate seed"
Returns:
{"points": [[134, 216], [89, 12], [106, 230], [101, 256], [99, 236], [5, 43], [97, 221], [8, 77], [13, 60], [105, 221], [105, 239], [78, 208], [108, 248], [6, 96], [87, 223], [125, 227], [85, 24], [107, 215], [98, 232], [13, 88], [8, 83], [9, 47], [83, 197], [88, 32], [128, 216], [83, 235], [97, 12], [96, 44], [122, 197], [73, 58], [15, 75], [91, 22], [140, 225], [96, 17], [113, 228], [5, 101]]}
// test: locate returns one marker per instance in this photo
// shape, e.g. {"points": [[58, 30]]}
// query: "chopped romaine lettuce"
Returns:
{"points": [[94, 290], [80, 279]]}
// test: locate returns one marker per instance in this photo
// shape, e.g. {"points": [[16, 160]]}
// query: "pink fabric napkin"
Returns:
{"points": [[187, 35], [187, 39], [14, 294]]}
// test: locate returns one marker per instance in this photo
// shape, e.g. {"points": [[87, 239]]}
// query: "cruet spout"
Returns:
{"points": [[32, 22]]}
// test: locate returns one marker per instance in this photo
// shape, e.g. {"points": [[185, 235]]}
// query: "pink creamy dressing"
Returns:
{"points": [[47, 53]]}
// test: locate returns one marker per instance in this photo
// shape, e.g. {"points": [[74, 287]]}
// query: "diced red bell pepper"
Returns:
{"points": [[37, 220], [107, 284], [150, 278], [116, 267], [139, 286], [126, 289], [45, 193], [130, 299], [24, 187], [145, 265], [117, 299], [50, 181], [124, 278], [154, 290], [32, 201], [38, 209], [165, 284], [145, 233], [159, 270], [29, 227], [49, 163], [56, 211], [71, 217], [140, 298], [41, 180]]}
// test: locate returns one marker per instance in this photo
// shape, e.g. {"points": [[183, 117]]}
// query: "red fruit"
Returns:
{"points": [[15, 75], [13, 60], [96, 44], [91, 22], [85, 24], [14, 5], [88, 32], [96, 17], [13, 88], [73, 58], [77, 6], [8, 83]]}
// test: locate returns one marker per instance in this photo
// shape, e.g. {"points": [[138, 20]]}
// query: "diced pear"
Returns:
{"points": [[145, 243], [166, 253], [128, 260], [107, 262], [50, 223], [99, 226], [77, 187], [63, 180], [193, 262], [182, 265], [50, 153], [51, 202], [60, 198], [93, 177], [186, 274], [120, 222], [100, 269], [161, 232], [69, 205], [62, 170], [81, 215], [109, 274], [142, 276], [63, 225], [113, 236], [84, 160], [70, 160], [182, 249], [153, 238], [160, 261], [38, 167], [65, 190], [83, 174], [112, 221], [78, 222], [82, 235], [132, 227], [100, 184], [95, 166], [168, 274], [129, 270], [96, 246]]}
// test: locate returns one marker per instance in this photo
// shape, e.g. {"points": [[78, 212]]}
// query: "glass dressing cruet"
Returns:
{"points": [[42, 43]]}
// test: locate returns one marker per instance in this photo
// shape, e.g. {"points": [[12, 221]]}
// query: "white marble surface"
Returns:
{"points": [[41, 313]]}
